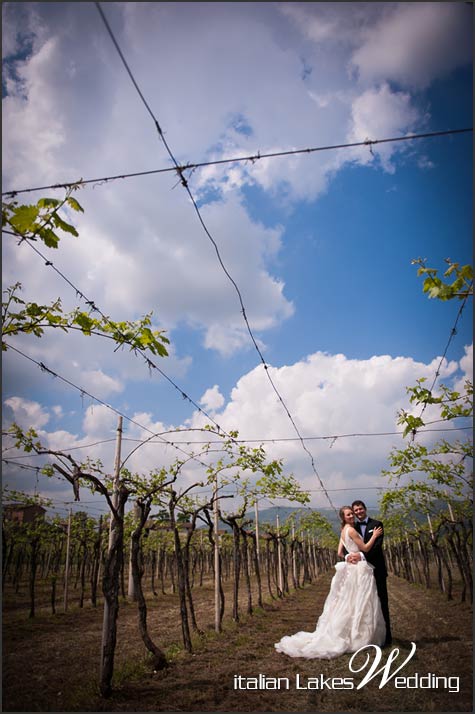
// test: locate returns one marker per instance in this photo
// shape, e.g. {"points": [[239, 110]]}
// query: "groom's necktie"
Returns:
{"points": [[363, 525]]}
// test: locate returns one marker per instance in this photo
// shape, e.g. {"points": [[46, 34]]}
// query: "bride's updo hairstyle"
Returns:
{"points": [[341, 514]]}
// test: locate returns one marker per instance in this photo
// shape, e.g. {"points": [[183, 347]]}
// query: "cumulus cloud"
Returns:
{"points": [[414, 43], [212, 399], [99, 421], [331, 397], [129, 227], [466, 367], [101, 384], [466, 363], [31, 113], [329, 394], [26, 413], [377, 112]]}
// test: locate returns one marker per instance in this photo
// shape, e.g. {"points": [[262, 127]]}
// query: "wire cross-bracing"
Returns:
{"points": [[184, 183], [84, 392], [94, 308]]}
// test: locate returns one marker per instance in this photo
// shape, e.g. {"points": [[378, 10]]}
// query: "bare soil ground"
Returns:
{"points": [[50, 663]]}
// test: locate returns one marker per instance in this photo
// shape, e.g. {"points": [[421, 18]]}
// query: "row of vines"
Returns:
{"points": [[429, 511], [65, 568], [174, 549], [439, 558]]}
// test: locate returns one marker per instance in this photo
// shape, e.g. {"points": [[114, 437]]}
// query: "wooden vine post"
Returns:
{"points": [[66, 571], [217, 574], [111, 576], [131, 589], [294, 556], [279, 559], [256, 511]]}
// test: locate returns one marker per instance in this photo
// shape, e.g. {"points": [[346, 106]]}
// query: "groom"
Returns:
{"points": [[365, 526]]}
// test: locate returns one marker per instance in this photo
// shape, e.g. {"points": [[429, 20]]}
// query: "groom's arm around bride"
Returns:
{"points": [[365, 526]]}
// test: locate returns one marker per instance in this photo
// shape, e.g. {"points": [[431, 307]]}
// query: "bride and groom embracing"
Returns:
{"points": [[356, 610]]}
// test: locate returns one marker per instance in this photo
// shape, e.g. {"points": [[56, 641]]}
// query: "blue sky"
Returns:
{"points": [[320, 245]]}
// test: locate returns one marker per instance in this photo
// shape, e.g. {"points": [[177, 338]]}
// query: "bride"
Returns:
{"points": [[352, 616]]}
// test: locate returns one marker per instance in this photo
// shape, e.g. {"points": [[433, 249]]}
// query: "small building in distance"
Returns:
{"points": [[21, 513]]}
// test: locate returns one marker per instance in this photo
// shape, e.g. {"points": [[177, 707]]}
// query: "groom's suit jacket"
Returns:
{"points": [[375, 556]]}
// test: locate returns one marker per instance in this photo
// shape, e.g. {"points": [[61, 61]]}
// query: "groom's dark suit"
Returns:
{"points": [[376, 558]]}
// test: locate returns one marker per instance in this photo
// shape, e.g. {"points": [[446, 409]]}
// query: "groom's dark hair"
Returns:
{"points": [[359, 503]]}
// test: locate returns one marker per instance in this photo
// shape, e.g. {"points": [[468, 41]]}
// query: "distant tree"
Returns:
{"points": [[32, 535]]}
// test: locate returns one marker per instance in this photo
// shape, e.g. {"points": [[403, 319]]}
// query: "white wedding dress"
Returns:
{"points": [[351, 617]]}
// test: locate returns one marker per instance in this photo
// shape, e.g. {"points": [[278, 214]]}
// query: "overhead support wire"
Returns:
{"points": [[83, 393], [251, 158], [453, 332], [275, 440]]}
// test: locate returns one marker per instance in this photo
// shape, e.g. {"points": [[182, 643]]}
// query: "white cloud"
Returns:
{"points": [[169, 267], [328, 395], [325, 24], [60, 440], [150, 446], [99, 421], [380, 112], [416, 42], [466, 367], [35, 123], [424, 163], [227, 339], [26, 413], [134, 253], [101, 384], [212, 399], [466, 363], [23, 31]]}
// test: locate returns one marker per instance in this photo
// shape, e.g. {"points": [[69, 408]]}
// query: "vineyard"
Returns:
{"points": [[54, 612], [62, 649]]}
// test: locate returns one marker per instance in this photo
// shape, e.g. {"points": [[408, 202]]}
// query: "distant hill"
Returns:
{"points": [[269, 515]]}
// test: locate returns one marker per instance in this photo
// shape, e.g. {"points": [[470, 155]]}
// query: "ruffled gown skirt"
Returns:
{"points": [[351, 617]]}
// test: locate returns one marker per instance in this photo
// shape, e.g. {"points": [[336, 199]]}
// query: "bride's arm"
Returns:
{"points": [[356, 538], [341, 549]]}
